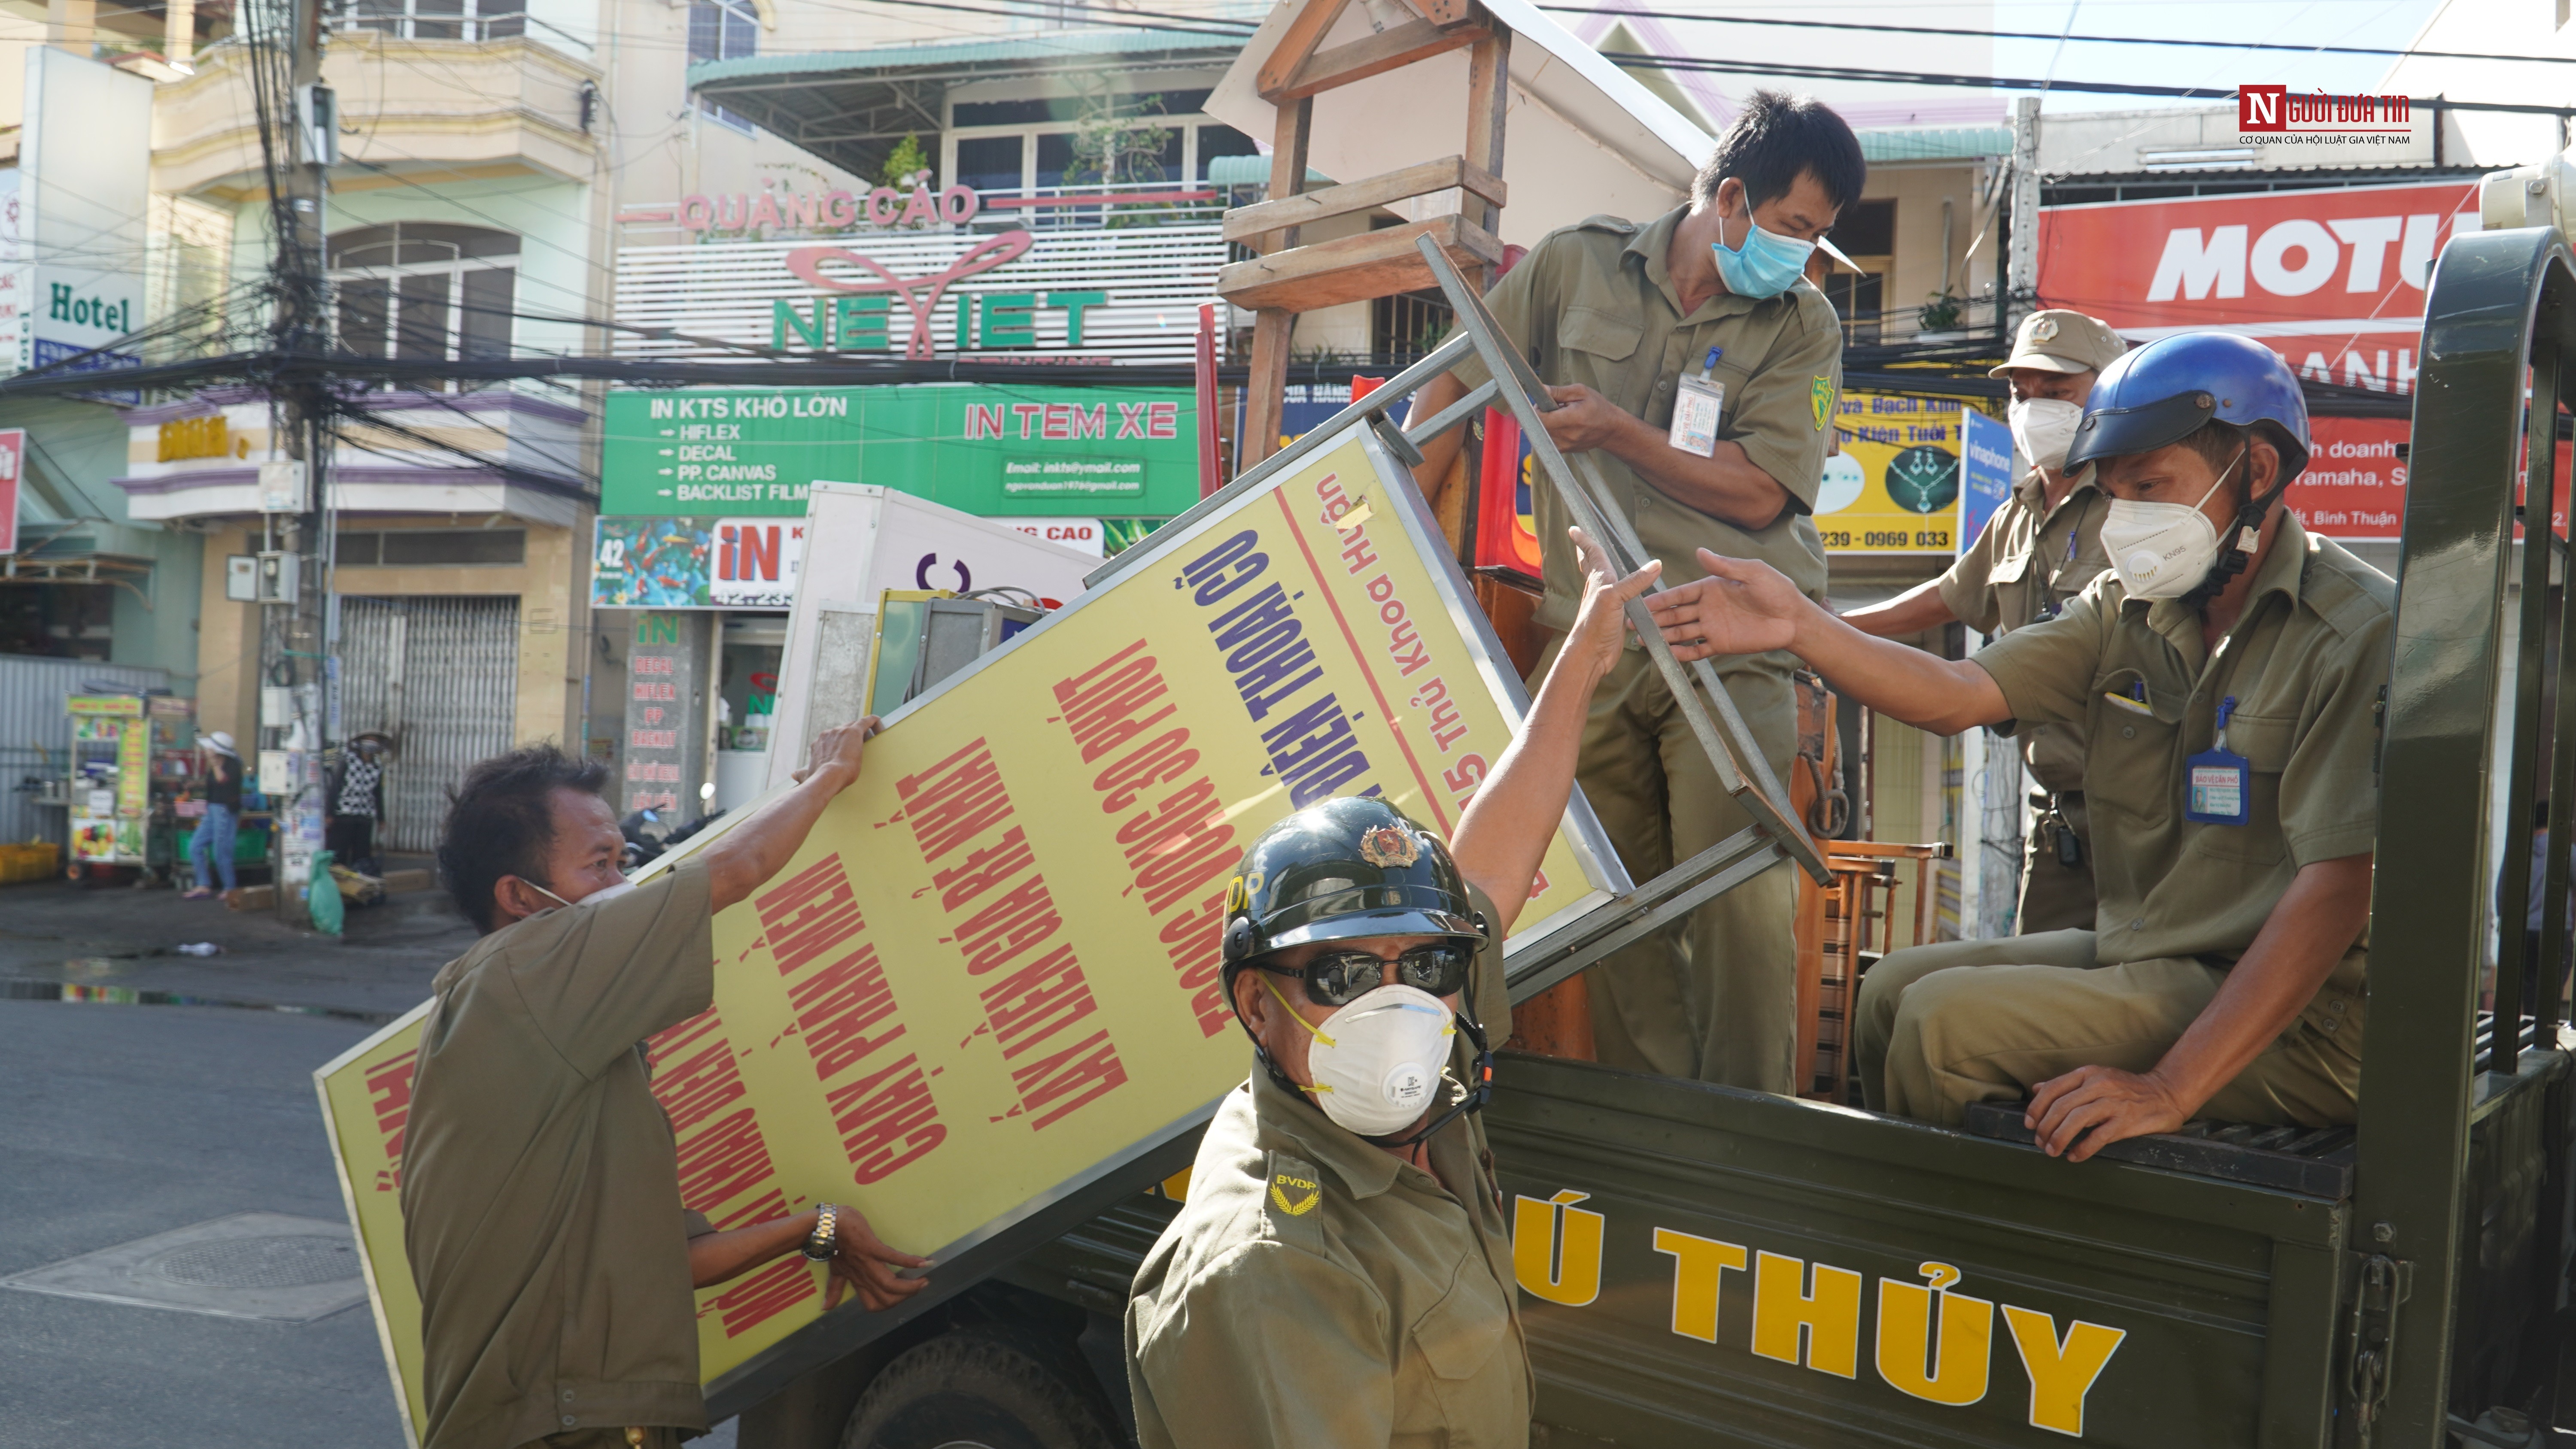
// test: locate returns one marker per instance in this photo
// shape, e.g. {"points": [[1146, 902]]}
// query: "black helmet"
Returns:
{"points": [[1342, 869]]}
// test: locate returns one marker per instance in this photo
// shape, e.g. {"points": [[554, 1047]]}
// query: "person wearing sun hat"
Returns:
{"points": [[221, 762], [2043, 545]]}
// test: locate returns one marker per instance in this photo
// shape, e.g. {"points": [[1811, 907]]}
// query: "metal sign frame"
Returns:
{"points": [[991, 1246], [1613, 913]]}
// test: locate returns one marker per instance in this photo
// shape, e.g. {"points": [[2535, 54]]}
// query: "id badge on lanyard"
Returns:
{"points": [[2221, 781], [1696, 408]]}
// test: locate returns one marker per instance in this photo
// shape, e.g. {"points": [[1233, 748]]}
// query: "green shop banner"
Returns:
{"points": [[993, 451]]}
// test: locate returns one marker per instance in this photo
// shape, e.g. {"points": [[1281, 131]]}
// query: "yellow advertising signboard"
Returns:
{"points": [[1892, 485], [991, 977]]}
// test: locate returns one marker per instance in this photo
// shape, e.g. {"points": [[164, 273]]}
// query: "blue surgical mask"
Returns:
{"points": [[1766, 265]]}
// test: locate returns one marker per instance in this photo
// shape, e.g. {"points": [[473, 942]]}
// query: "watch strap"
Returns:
{"points": [[825, 1240]]}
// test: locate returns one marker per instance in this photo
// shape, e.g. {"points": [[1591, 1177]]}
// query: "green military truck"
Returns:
{"points": [[1702, 1265]]}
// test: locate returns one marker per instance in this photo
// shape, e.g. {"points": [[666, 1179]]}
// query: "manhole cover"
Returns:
{"points": [[274, 1266], [289, 1262]]}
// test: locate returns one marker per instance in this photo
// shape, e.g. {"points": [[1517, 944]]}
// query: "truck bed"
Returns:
{"points": [[1711, 1266]]}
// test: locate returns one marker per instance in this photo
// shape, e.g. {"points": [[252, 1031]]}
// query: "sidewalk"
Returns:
{"points": [[55, 934]]}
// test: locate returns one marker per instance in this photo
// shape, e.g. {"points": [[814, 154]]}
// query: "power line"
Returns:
{"points": [[2070, 39], [1805, 71], [1096, 18]]}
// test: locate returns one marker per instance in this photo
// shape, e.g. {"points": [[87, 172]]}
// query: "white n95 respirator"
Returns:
{"points": [[2161, 550], [1376, 1062], [2044, 428]]}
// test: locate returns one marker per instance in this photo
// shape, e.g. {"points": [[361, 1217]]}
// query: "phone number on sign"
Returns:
{"points": [[1887, 538]]}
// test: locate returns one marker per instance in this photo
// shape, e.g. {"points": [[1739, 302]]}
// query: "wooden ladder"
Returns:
{"points": [[1286, 278]]}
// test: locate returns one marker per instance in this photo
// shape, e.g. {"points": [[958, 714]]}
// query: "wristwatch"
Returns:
{"points": [[825, 1240]]}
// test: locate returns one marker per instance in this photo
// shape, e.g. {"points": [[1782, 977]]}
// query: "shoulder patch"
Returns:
{"points": [[1605, 222], [1820, 394], [1293, 1190]]}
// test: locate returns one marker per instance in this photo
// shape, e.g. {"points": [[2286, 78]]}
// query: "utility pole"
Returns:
{"points": [[2021, 264], [298, 667]]}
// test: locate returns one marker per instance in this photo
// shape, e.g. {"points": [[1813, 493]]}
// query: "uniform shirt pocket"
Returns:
{"points": [[1459, 1335], [2129, 761], [2008, 570], [1462, 1345], [1604, 335], [2265, 741]]}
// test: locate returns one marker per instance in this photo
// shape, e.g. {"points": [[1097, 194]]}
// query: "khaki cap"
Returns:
{"points": [[2061, 341]]}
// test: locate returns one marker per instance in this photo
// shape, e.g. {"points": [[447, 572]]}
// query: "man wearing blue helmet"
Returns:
{"points": [[2226, 674]]}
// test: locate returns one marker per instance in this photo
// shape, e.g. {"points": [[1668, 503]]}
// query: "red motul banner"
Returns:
{"points": [[2332, 280]]}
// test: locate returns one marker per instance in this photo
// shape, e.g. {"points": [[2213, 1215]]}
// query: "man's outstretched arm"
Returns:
{"points": [[1749, 608], [1917, 609], [2311, 927], [740, 860], [1505, 832]]}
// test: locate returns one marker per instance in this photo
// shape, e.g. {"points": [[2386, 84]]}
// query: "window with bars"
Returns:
{"points": [[424, 291], [438, 19], [1404, 327], [723, 30]]}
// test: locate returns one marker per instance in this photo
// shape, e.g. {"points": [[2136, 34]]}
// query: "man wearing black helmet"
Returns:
{"points": [[2226, 673], [1345, 1191]]}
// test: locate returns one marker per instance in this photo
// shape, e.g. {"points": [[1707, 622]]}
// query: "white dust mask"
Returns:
{"points": [[2045, 429], [599, 897], [1376, 1062], [2160, 550]]}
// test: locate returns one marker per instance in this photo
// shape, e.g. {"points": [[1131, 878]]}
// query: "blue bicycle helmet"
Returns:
{"points": [[2163, 392]]}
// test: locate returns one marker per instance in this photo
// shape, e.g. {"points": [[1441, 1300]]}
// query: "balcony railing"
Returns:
{"points": [[1118, 205]]}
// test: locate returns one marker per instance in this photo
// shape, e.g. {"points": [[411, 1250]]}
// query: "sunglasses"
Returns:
{"points": [[1338, 978]]}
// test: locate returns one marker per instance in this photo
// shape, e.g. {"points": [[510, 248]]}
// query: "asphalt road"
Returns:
{"points": [[128, 1115], [123, 1122]]}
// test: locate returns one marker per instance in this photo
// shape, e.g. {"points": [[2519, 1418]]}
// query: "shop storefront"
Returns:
{"points": [[700, 544]]}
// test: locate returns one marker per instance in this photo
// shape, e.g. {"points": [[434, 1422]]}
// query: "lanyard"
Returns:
{"points": [[2050, 605]]}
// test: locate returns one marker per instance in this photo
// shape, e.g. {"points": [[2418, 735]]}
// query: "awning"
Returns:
{"points": [[850, 107], [71, 555]]}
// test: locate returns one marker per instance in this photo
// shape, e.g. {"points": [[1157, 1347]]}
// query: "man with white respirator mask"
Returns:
{"points": [[2043, 545], [1344, 1193], [2227, 673]]}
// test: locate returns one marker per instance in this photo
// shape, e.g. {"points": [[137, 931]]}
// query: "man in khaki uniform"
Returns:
{"points": [[2228, 696], [540, 1185], [1341, 1274], [2043, 545], [1623, 322]]}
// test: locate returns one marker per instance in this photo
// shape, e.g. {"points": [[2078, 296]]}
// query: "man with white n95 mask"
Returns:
{"points": [[2227, 673], [1343, 1196], [2043, 545]]}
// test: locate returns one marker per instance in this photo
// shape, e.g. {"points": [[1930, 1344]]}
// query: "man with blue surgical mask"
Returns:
{"points": [[2043, 545], [1695, 364], [2226, 673]]}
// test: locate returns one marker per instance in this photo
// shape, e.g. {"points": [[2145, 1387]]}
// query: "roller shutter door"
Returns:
{"points": [[439, 676]]}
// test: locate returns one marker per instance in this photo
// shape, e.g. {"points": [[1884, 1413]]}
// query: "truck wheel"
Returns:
{"points": [[965, 1391]]}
